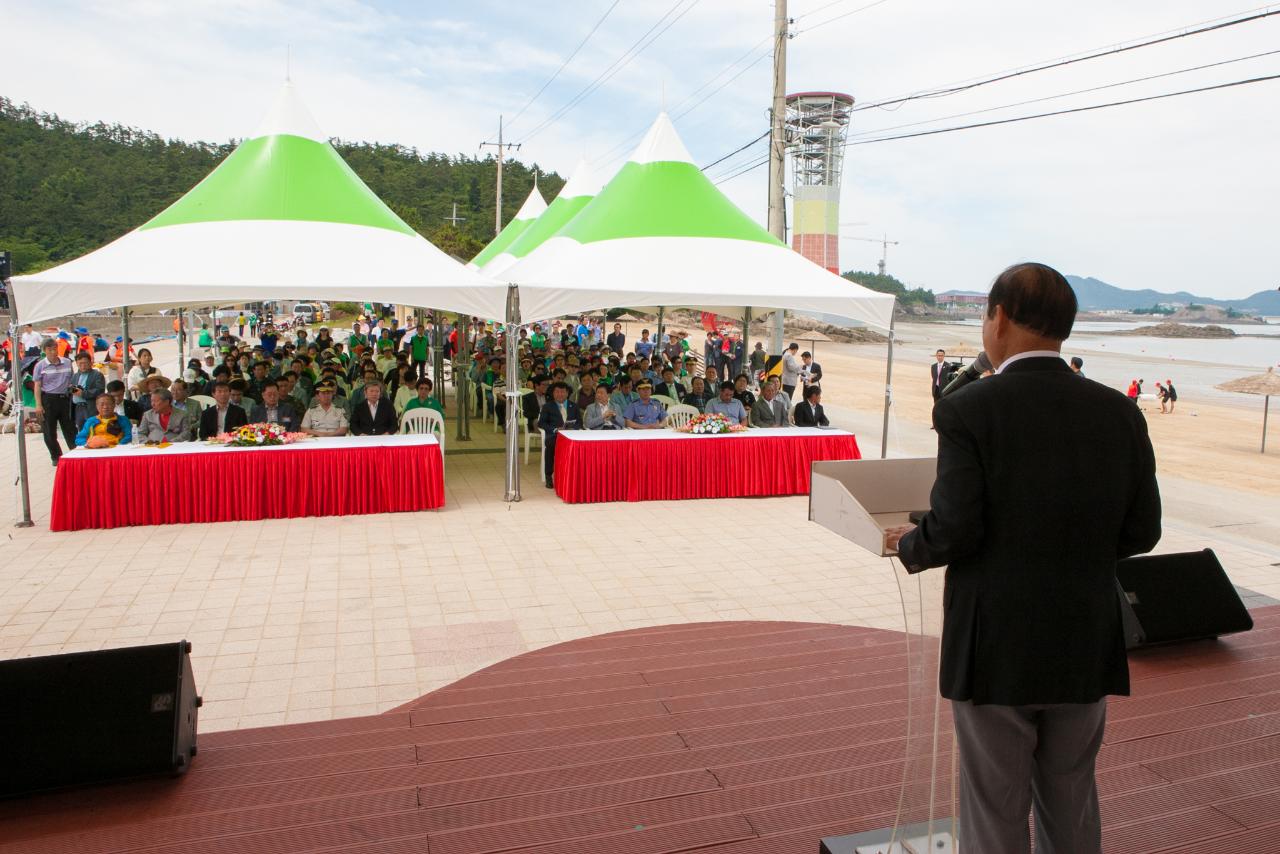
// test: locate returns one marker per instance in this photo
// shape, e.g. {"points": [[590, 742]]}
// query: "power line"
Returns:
{"points": [[875, 131], [743, 171], [567, 60], [735, 151], [1067, 111], [838, 17], [1059, 63], [618, 64]]}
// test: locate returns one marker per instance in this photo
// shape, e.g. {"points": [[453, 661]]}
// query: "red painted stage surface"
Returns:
{"points": [[732, 738]]}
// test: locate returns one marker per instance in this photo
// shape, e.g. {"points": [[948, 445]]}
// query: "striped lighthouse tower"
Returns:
{"points": [[816, 123]]}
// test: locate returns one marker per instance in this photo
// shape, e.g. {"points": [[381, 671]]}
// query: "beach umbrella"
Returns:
{"points": [[580, 189], [1264, 384], [533, 207]]}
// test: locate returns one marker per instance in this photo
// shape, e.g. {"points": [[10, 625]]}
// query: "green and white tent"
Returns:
{"points": [[661, 234], [580, 189], [533, 207], [283, 217]]}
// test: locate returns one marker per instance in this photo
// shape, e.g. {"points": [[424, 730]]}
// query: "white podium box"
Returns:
{"points": [[858, 499]]}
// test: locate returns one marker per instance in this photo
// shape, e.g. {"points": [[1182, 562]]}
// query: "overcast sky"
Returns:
{"points": [[1174, 194]]}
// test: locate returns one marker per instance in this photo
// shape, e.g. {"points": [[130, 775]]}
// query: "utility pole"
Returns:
{"points": [[502, 149], [455, 219], [777, 146]]}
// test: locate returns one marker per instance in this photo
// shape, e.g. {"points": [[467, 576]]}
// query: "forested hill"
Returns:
{"points": [[66, 188]]}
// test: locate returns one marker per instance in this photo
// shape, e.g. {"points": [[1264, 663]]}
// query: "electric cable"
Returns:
{"points": [[567, 60]]}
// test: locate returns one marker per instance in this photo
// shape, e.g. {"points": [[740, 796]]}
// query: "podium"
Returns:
{"points": [[859, 499]]}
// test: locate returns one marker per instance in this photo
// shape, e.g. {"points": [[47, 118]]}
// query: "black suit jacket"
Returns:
{"points": [[286, 416], [805, 418], [676, 394], [549, 418], [1044, 482], [236, 417], [933, 378], [530, 409], [364, 424]]}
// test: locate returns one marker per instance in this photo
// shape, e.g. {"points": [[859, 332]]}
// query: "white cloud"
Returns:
{"points": [[1171, 194]]}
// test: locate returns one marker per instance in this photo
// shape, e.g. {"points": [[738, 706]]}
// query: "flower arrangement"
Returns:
{"points": [[258, 435], [710, 425]]}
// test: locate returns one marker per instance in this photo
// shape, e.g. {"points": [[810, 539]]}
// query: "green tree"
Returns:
{"points": [[887, 284]]}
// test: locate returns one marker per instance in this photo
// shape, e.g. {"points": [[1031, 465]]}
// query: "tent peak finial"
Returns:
{"points": [[288, 61], [289, 115], [661, 144]]}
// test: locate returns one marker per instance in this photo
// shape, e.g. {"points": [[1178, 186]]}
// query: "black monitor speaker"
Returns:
{"points": [[1178, 597], [88, 717]]}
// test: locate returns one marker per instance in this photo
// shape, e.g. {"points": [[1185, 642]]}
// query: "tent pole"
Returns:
{"points": [[888, 395], [1266, 406], [182, 343], [657, 347], [19, 415], [461, 363], [746, 347], [512, 393], [125, 363]]}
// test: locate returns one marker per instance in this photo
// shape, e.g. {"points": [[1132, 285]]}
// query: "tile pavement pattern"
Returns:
{"points": [[733, 737]]}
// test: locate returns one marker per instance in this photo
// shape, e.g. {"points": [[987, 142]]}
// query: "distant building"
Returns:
{"points": [[953, 302]]}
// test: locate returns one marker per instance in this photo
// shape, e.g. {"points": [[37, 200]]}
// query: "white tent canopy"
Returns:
{"points": [[283, 217], [661, 234]]}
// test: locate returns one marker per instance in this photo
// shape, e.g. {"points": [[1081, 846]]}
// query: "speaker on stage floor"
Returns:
{"points": [[87, 717], [1178, 597]]}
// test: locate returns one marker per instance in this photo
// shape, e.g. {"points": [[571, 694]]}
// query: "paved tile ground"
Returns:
{"points": [[310, 619]]}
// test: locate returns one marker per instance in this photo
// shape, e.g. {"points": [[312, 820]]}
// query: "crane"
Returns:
{"points": [[884, 242]]}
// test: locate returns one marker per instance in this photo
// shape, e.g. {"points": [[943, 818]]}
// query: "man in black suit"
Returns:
{"points": [[558, 413], [272, 410], [532, 404], [224, 416], [808, 413], [1030, 511], [669, 386], [373, 416], [938, 374]]}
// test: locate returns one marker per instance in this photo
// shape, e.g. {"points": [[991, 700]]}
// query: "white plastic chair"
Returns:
{"points": [[421, 421], [680, 414], [203, 401], [665, 401], [523, 424]]}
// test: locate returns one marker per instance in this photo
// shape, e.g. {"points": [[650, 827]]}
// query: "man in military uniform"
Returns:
{"points": [[325, 419], [645, 413]]}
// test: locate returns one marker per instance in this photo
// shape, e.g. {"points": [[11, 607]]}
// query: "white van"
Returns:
{"points": [[304, 313]]}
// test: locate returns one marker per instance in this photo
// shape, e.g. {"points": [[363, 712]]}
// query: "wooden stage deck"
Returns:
{"points": [[731, 738]]}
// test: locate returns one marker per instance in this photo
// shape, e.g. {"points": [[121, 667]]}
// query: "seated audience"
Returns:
{"points": [[123, 406], [106, 428], [274, 410], [374, 416], [727, 405], [162, 422], [532, 403], [770, 410], [698, 395], [600, 414], [325, 418], [224, 416], [645, 413], [669, 387], [559, 413], [809, 412], [182, 400], [424, 399], [741, 393]]}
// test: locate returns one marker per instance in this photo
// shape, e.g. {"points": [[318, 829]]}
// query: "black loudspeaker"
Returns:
{"points": [[87, 717], [1178, 597], [6, 264]]}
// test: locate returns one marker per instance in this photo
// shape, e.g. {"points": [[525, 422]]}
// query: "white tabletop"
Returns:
{"points": [[665, 434], [314, 444]]}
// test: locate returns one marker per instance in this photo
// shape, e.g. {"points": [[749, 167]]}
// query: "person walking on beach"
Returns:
{"points": [[1171, 394], [1133, 392], [1163, 397], [1032, 641]]}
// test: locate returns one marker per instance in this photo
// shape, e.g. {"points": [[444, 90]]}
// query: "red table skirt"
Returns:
{"points": [[704, 467], [167, 489]]}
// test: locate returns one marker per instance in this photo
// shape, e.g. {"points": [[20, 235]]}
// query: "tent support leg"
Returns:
{"points": [[19, 414], [657, 346], [461, 364], [512, 392], [746, 347], [126, 364], [888, 395], [182, 343]]}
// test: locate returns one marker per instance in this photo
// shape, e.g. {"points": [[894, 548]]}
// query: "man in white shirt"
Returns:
{"points": [[31, 341]]}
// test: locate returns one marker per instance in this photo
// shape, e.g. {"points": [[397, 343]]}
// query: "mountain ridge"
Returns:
{"points": [[1096, 295]]}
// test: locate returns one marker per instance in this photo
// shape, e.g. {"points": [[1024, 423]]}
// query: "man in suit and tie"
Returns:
{"points": [[1029, 513], [558, 413], [938, 374], [809, 411], [273, 410], [224, 416], [769, 410], [373, 416], [532, 404], [669, 387]]}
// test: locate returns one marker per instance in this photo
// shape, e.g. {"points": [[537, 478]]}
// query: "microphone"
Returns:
{"points": [[976, 368]]}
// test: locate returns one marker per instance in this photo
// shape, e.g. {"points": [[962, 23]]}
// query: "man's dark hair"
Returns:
{"points": [[742, 377], [114, 386], [1077, 362], [558, 384], [1036, 297], [727, 385], [221, 371], [940, 350], [221, 384], [270, 384], [812, 391], [806, 355]]}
